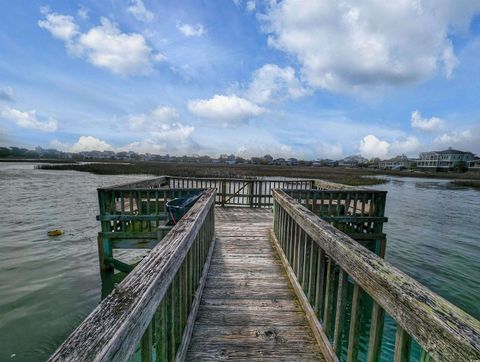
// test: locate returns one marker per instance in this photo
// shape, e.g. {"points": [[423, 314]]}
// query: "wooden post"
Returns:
{"points": [[250, 192], [223, 191], [104, 253]]}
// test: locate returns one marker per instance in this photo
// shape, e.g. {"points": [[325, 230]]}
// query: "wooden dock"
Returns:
{"points": [[260, 269], [248, 309]]}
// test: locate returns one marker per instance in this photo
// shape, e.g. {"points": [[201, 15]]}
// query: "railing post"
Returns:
{"points": [[104, 253], [250, 192], [223, 192]]}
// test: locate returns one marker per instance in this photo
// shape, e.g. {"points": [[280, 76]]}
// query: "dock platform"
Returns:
{"points": [[248, 309], [260, 269]]}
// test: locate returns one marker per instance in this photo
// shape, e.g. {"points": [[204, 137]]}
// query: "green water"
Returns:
{"points": [[48, 285]]}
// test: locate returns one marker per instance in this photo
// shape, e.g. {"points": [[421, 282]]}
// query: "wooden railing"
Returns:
{"points": [[252, 192], [151, 313], [335, 278], [358, 213], [133, 216]]}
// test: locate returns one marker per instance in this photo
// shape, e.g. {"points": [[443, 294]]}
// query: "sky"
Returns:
{"points": [[309, 79]]}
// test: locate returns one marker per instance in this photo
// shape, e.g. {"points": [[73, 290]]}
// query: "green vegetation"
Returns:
{"points": [[349, 176], [354, 177]]}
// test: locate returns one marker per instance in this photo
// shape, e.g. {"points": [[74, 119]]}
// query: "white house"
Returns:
{"points": [[397, 162], [353, 161], [444, 160], [474, 164]]}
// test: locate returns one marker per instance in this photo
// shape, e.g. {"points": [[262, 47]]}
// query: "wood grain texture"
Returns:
{"points": [[316, 327], [114, 329], [443, 330], [248, 309]]}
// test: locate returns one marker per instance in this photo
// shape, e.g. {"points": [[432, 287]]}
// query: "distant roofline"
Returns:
{"points": [[449, 151]]}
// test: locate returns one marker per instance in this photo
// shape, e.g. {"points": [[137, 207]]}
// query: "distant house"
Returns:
{"points": [[292, 161], [474, 164], [329, 163], [320, 163], [231, 159], [280, 161], [353, 161], [444, 160], [268, 159], [256, 160], [396, 163]]}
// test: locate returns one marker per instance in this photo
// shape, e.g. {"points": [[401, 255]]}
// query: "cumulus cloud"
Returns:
{"points": [[409, 146], [62, 27], [271, 83], [356, 46], [454, 138], [155, 118], [139, 11], [165, 131], [28, 119], [90, 143], [168, 138], [230, 110], [371, 146], [190, 30], [250, 5], [104, 46], [432, 124]]}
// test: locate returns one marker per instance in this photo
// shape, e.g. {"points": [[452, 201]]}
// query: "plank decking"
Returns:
{"points": [[248, 309]]}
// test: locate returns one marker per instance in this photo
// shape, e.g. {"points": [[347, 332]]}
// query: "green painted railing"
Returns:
{"points": [[358, 213], [150, 314], [133, 216], [253, 192]]}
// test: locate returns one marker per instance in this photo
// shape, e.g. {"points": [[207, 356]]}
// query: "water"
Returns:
{"points": [[49, 285], [433, 235]]}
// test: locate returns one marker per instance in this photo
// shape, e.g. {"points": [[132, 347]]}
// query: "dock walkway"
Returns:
{"points": [[260, 269], [248, 309]]}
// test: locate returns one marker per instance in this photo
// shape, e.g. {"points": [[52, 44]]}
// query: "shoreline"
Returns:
{"points": [[36, 160], [349, 176]]}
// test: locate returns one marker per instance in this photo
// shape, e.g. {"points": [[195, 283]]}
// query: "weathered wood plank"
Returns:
{"points": [[316, 327], [248, 310], [114, 329], [442, 329], [187, 333]]}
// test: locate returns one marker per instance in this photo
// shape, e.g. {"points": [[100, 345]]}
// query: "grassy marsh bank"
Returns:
{"points": [[340, 175], [349, 176]]}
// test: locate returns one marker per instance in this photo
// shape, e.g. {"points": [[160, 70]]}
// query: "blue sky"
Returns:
{"points": [[311, 79]]}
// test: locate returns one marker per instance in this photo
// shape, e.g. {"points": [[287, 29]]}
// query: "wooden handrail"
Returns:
{"points": [[162, 180], [139, 184], [115, 328], [443, 330]]}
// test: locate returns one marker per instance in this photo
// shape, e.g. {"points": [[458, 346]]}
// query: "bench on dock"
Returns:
{"points": [[262, 269]]}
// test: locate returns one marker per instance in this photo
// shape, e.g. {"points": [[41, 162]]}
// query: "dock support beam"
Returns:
{"points": [[105, 252]]}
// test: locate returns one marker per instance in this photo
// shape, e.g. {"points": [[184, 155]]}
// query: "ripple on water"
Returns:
{"points": [[47, 285]]}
